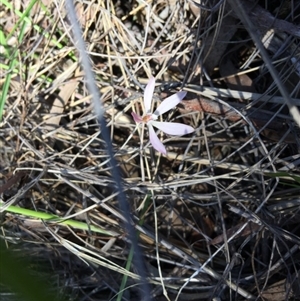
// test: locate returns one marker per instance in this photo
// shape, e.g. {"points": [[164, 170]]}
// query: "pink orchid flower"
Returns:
{"points": [[149, 118]]}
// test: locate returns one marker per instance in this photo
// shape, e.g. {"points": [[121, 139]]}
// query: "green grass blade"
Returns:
{"points": [[51, 218]]}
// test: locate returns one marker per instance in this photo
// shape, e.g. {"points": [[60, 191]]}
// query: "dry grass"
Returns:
{"points": [[218, 216]]}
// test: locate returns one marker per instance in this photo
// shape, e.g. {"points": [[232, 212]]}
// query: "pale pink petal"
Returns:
{"points": [[148, 94], [173, 128], [169, 103], [156, 143], [136, 117]]}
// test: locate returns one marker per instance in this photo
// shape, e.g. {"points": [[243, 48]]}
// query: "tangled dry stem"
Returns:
{"points": [[217, 216]]}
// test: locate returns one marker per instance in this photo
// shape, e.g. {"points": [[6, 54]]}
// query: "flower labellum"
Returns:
{"points": [[170, 128]]}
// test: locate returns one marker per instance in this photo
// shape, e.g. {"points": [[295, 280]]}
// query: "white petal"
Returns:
{"points": [[173, 128], [148, 95], [169, 103], [156, 143], [136, 117]]}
